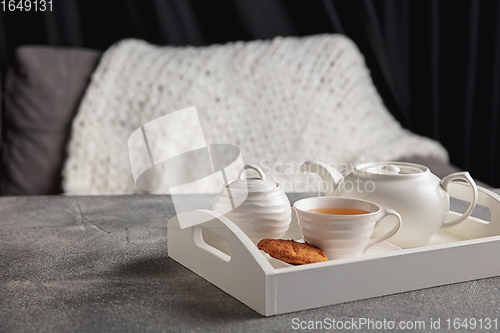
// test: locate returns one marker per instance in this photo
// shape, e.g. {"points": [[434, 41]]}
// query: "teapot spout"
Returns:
{"points": [[331, 177]]}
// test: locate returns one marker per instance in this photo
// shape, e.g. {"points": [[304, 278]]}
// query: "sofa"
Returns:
{"points": [[42, 91]]}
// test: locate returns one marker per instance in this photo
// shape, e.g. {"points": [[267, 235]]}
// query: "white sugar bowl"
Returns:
{"points": [[264, 213]]}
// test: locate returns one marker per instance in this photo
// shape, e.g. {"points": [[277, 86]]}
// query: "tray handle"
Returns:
{"points": [[243, 250], [474, 227], [246, 274]]}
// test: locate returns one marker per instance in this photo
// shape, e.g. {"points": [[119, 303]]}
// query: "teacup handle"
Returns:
{"points": [[391, 233], [464, 175]]}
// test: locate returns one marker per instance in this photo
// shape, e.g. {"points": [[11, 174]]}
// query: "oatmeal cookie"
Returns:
{"points": [[291, 251]]}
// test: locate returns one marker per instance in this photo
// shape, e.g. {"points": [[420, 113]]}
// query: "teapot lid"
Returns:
{"points": [[253, 184], [391, 168]]}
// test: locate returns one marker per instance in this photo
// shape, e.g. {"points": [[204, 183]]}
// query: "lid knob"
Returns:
{"points": [[390, 169], [384, 169], [253, 167]]}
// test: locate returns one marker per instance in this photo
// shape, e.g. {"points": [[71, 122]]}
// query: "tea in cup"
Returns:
{"points": [[341, 227]]}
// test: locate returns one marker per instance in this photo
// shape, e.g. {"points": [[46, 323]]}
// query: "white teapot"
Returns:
{"points": [[419, 196], [264, 213]]}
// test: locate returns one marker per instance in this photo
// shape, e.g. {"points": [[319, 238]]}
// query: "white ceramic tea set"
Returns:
{"points": [[265, 213], [417, 198]]}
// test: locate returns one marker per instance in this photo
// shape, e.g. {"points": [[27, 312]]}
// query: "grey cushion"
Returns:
{"points": [[42, 93]]}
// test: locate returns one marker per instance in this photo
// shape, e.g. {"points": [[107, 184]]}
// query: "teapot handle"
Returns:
{"points": [[464, 176], [253, 167]]}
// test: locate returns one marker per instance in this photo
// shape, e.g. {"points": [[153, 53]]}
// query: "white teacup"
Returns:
{"points": [[342, 236]]}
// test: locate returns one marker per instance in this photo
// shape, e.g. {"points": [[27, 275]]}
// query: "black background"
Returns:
{"points": [[435, 63]]}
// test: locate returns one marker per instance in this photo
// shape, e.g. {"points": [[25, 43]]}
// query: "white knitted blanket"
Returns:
{"points": [[282, 102]]}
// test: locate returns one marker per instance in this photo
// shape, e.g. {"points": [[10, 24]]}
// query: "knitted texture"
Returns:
{"points": [[282, 102]]}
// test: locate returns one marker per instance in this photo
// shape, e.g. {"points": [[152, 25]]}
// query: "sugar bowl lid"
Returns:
{"points": [[253, 184]]}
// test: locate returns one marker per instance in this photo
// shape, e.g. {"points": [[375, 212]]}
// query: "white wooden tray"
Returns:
{"points": [[465, 252]]}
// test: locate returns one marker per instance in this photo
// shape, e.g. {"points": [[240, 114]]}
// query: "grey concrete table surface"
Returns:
{"points": [[100, 264]]}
